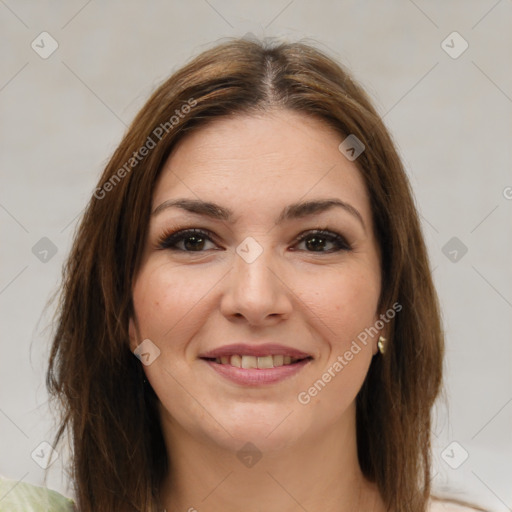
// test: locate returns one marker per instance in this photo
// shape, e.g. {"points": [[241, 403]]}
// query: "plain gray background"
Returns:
{"points": [[450, 113]]}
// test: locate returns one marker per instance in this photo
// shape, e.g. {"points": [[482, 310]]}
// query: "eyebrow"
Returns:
{"points": [[290, 212]]}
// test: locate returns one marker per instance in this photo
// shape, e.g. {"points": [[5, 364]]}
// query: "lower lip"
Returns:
{"points": [[256, 376]]}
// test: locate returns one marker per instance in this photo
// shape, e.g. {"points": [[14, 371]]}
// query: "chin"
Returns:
{"points": [[270, 427]]}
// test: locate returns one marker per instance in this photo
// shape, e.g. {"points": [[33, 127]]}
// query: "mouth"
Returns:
{"points": [[257, 362], [256, 365]]}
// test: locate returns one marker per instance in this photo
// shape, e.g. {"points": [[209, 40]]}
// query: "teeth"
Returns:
{"points": [[278, 360], [236, 361], [249, 362], [256, 362], [265, 362]]}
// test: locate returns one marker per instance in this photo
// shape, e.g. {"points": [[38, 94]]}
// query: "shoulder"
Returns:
{"points": [[23, 497], [438, 505]]}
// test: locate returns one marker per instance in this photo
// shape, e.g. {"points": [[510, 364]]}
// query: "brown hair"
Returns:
{"points": [[119, 457]]}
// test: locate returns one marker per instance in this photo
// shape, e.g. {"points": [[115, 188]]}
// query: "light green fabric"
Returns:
{"points": [[22, 497]]}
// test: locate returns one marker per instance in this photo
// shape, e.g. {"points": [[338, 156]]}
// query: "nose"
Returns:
{"points": [[256, 291]]}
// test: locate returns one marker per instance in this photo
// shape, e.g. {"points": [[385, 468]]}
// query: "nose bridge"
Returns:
{"points": [[255, 289], [252, 265], [252, 268]]}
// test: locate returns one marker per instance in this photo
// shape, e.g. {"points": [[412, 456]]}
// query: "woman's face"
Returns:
{"points": [[253, 274]]}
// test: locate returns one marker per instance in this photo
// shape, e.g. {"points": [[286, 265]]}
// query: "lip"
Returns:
{"points": [[257, 376], [260, 350]]}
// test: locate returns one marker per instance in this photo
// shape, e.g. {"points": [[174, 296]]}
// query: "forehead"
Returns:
{"points": [[254, 161]]}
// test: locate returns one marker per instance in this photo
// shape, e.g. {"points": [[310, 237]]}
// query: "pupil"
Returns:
{"points": [[196, 244], [314, 239]]}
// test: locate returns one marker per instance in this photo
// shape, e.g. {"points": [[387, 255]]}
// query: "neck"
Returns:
{"points": [[322, 473]]}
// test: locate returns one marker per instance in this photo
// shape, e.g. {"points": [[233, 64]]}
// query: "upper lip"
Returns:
{"points": [[259, 350]]}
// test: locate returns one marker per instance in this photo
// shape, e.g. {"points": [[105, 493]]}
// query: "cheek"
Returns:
{"points": [[345, 308], [167, 304], [345, 303], [163, 296]]}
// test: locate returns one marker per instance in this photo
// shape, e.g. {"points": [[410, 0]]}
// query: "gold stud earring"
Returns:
{"points": [[381, 344]]}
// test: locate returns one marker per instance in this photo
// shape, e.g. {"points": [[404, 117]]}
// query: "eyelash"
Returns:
{"points": [[169, 240]]}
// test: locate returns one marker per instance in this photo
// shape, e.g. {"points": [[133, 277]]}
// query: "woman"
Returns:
{"points": [[254, 243]]}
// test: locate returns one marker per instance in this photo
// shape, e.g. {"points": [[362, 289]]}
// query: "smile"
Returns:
{"points": [[261, 362], [256, 371]]}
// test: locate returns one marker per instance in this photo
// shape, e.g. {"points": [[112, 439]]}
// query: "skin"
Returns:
{"points": [[295, 293]]}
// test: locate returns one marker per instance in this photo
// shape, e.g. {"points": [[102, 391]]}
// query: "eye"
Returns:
{"points": [[193, 240], [316, 240]]}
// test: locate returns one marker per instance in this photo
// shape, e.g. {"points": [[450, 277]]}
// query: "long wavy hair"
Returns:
{"points": [[118, 454]]}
